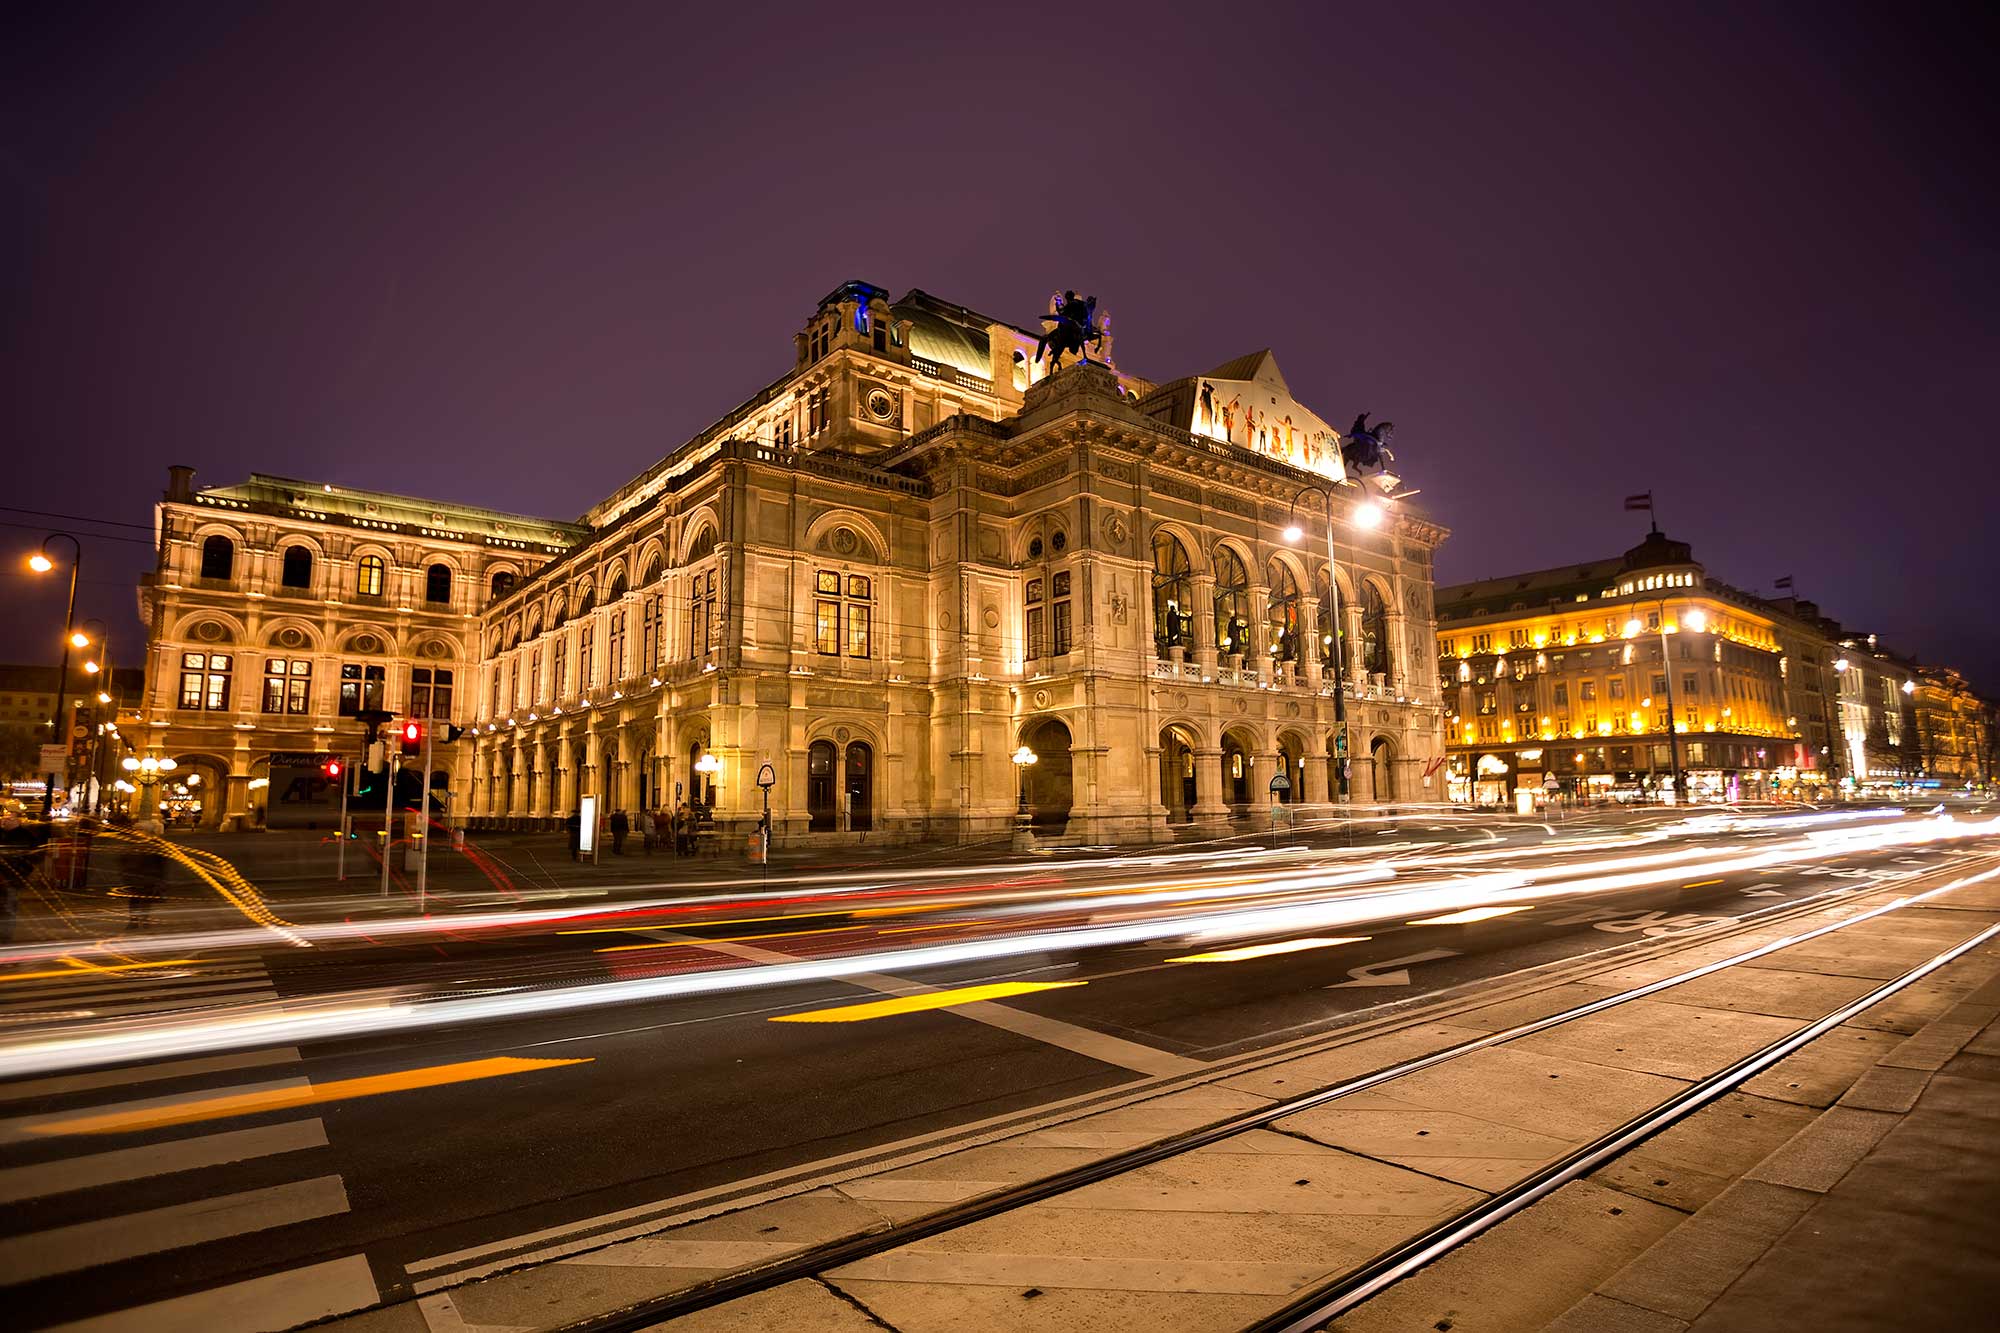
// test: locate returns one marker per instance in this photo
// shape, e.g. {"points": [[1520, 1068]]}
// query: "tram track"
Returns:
{"points": [[1311, 1308]]}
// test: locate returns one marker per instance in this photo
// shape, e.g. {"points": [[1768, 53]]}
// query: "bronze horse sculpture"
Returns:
{"points": [[1072, 327], [1365, 449]]}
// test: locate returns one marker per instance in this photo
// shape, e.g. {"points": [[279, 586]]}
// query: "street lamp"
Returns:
{"points": [[41, 564], [1022, 758], [1366, 515], [148, 772]]}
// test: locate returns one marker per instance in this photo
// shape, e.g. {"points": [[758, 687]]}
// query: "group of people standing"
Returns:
{"points": [[678, 828]]}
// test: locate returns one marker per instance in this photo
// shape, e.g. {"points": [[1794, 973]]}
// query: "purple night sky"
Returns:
{"points": [[511, 254]]}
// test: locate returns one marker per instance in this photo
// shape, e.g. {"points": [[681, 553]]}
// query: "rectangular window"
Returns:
{"points": [[360, 687], [583, 677], [1616, 685], [534, 676], [1690, 684], [826, 627], [205, 681], [493, 708], [1562, 694], [858, 586], [857, 630], [430, 692], [1060, 643], [287, 685], [1034, 594], [614, 647], [559, 670], [829, 583], [1588, 691], [1037, 633]]}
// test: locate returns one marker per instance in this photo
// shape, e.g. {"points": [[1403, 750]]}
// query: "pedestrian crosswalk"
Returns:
{"points": [[104, 1224], [69, 991]]}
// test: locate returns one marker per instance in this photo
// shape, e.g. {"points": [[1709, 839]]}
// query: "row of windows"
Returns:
{"points": [[218, 564], [842, 616], [206, 677], [1173, 617]]}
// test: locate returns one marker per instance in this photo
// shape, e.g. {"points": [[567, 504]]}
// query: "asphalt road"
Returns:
{"points": [[640, 1102]]}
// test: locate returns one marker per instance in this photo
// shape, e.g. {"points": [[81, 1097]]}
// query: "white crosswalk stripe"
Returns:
{"points": [[51, 995], [193, 1186]]}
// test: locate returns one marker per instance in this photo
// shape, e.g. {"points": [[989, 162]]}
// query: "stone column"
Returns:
{"points": [[1399, 652], [1309, 644], [1208, 802], [1312, 780], [1204, 623]]}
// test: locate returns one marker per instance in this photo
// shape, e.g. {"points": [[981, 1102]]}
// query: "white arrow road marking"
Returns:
{"points": [[1377, 974], [1768, 889]]}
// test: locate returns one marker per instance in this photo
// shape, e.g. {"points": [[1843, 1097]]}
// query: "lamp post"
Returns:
{"points": [[1368, 515], [767, 778], [1023, 821], [148, 772], [1695, 619], [41, 564], [710, 768]]}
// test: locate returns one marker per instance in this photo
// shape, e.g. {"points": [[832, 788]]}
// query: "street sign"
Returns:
{"points": [[55, 761]]}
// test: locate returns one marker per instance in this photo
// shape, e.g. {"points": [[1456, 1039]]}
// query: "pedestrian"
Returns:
{"points": [[142, 863], [663, 827], [620, 826], [684, 825], [574, 827]]}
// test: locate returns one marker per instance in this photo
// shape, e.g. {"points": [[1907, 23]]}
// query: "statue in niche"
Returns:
{"points": [[1070, 326]]}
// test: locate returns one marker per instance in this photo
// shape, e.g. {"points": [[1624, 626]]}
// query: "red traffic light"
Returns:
{"points": [[413, 733], [332, 768]]}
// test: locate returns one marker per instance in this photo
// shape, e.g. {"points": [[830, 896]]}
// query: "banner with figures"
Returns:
{"points": [[1247, 403]]}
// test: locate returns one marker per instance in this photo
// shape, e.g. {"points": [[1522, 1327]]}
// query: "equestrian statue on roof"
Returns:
{"points": [[1365, 448], [1069, 327]]}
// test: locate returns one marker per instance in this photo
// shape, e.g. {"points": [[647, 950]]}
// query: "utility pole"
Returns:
{"points": [[424, 817], [1673, 727]]}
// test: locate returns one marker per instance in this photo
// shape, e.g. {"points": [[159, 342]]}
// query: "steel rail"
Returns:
{"points": [[816, 1259], [1371, 1279]]}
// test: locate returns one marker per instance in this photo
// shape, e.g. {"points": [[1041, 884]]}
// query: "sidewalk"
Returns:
{"points": [[1880, 1214]]}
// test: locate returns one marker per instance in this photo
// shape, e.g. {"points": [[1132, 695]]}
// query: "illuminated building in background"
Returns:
{"points": [[1560, 679], [1953, 736], [279, 609], [912, 554]]}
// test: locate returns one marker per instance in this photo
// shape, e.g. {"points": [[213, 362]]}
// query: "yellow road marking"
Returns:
{"points": [[83, 969], [696, 941], [1470, 915], [1701, 883], [696, 925], [282, 1099], [911, 1004], [1266, 950]]}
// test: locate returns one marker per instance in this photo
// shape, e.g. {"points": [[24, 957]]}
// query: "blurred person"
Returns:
{"points": [[663, 828], [620, 826], [573, 826]]}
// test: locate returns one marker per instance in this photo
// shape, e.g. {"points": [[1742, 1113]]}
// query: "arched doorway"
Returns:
{"points": [[701, 791], [1177, 784], [1050, 786], [1382, 754], [1238, 772], [860, 786], [821, 809], [1291, 754], [195, 794]]}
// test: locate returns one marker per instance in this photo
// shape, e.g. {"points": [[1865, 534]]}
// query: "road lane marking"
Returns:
{"points": [[279, 1300], [93, 970], [1249, 951], [697, 942], [912, 1004], [283, 1098], [1394, 972], [1470, 915], [82, 1245], [43, 1179], [152, 1073], [1701, 884], [28, 1127]]}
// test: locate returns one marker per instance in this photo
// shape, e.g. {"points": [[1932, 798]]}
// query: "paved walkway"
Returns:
{"points": [[1883, 1213]]}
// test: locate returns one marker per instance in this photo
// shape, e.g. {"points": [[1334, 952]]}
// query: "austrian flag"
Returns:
{"points": [[1640, 501]]}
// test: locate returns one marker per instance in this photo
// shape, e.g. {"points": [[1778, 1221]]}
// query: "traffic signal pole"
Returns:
{"points": [[346, 780], [424, 818], [389, 766]]}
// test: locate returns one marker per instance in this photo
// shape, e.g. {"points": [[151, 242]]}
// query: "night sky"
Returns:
{"points": [[512, 254]]}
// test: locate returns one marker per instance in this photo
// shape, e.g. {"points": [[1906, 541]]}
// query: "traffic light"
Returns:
{"points": [[332, 769], [413, 734]]}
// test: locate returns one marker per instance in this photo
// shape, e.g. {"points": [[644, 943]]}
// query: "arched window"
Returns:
{"points": [[368, 576], [1173, 594], [503, 582], [704, 601], [1232, 602], [218, 557], [704, 547], [437, 583], [1281, 616], [298, 567], [1374, 631]]}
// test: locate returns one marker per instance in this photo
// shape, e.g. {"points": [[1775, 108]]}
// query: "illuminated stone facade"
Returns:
{"points": [[279, 608], [911, 556], [1558, 683]]}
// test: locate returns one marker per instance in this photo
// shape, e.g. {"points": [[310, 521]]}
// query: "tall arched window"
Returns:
{"points": [[1281, 616], [298, 567], [437, 583], [704, 603], [652, 618], [368, 576], [614, 639], [1374, 631], [1232, 602], [218, 557], [1173, 594]]}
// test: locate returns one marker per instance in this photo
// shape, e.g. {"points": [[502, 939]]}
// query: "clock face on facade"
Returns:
{"points": [[880, 405]]}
